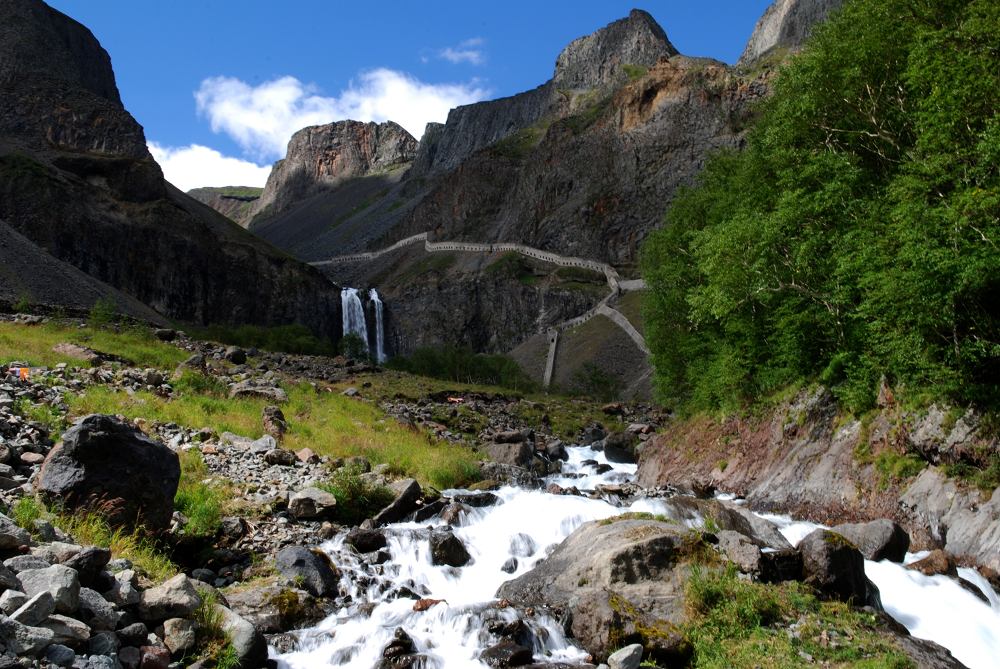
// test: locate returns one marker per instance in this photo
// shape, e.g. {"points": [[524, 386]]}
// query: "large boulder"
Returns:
{"points": [[311, 503], [106, 465], [878, 540], [618, 582], [407, 493], [834, 566], [308, 570], [58, 580]]}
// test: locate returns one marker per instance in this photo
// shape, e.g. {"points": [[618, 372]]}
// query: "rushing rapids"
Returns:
{"points": [[527, 524]]}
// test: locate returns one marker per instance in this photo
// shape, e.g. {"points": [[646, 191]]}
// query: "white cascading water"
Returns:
{"points": [[379, 332], [528, 524], [353, 314]]}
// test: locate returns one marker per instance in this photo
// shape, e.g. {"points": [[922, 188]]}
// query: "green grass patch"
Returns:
{"points": [[634, 72], [200, 501], [357, 499], [89, 529], [636, 515], [895, 468], [515, 266], [319, 417], [214, 645], [738, 623], [25, 511], [33, 344], [520, 144]]}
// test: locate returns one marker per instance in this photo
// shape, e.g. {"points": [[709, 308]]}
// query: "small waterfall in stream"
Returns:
{"points": [[529, 523], [379, 331], [353, 314]]}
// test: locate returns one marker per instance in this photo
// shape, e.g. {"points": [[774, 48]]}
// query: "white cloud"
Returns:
{"points": [[195, 166], [465, 52], [262, 118]]}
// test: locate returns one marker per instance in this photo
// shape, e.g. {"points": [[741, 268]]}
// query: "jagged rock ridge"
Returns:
{"points": [[77, 180], [786, 24]]}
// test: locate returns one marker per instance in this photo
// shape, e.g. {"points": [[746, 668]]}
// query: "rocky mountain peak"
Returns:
{"points": [[786, 24], [51, 68], [325, 155], [597, 60]]}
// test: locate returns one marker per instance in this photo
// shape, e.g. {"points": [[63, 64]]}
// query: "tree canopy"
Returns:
{"points": [[856, 234]]}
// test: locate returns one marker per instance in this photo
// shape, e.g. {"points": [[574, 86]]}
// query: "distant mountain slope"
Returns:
{"points": [[77, 180]]}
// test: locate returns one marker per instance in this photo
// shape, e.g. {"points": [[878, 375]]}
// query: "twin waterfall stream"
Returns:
{"points": [[355, 322], [528, 524]]}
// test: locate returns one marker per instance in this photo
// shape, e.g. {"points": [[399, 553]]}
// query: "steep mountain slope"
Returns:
{"points": [[31, 277], [77, 180]]}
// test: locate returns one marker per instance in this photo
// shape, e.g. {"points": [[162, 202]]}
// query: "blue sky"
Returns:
{"points": [[220, 86]]}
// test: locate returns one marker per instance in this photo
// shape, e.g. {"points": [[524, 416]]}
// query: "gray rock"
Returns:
{"points": [[265, 444], [308, 570], [273, 608], [106, 459], [179, 635], [365, 541], [235, 355], [280, 457], [35, 610], [57, 552], [12, 600], [636, 563], [130, 657], [175, 598], [834, 566], [8, 579], [253, 389], [89, 563], [620, 447], [58, 580], [407, 495], [66, 630], [60, 655], [507, 653], [878, 540], [124, 591], [447, 549], [105, 643], [518, 454], [132, 635], [96, 611], [629, 657], [311, 503], [22, 639], [12, 535], [19, 563], [250, 645]]}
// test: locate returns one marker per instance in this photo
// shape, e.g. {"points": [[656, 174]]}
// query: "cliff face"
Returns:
{"points": [[786, 24], [324, 156], [77, 180]]}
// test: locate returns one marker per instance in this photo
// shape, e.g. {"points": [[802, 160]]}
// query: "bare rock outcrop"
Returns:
{"points": [[327, 155], [786, 24]]}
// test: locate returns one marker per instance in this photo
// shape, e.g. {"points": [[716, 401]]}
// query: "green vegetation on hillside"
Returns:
{"points": [[34, 344], [857, 234], [462, 365], [283, 338]]}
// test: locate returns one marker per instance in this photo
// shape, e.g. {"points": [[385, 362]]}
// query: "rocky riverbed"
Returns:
{"points": [[556, 557]]}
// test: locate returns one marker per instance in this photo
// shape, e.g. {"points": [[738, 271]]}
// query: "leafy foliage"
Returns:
{"points": [[857, 233], [283, 338]]}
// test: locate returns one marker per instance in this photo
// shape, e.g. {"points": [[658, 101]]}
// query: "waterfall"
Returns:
{"points": [[379, 332], [354, 314]]}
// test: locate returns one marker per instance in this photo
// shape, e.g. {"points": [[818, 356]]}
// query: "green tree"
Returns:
{"points": [[856, 233]]}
